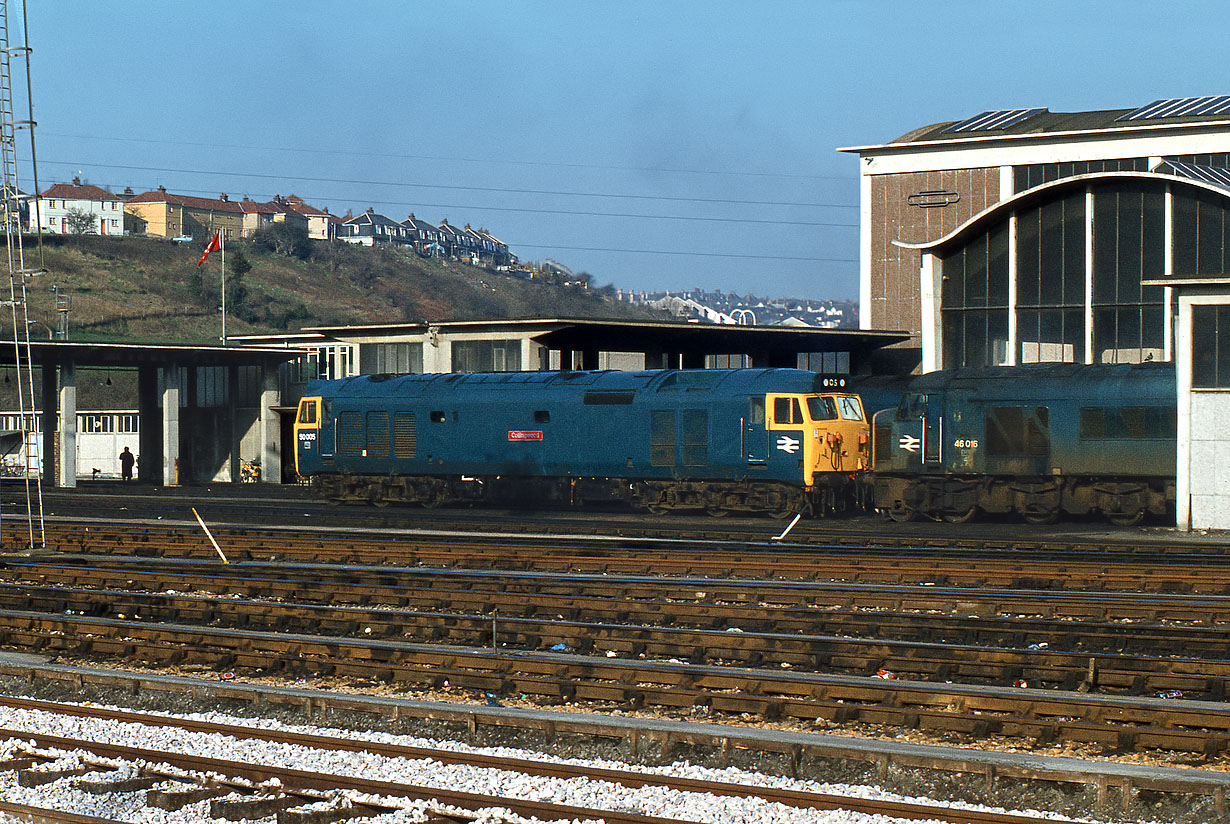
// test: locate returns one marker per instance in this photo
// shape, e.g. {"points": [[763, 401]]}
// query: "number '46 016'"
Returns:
{"points": [[966, 443]]}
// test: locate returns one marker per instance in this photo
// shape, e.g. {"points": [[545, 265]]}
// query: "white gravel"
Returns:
{"points": [[64, 796]]}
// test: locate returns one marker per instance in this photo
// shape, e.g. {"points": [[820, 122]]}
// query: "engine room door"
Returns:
{"points": [[756, 435], [327, 441], [933, 431]]}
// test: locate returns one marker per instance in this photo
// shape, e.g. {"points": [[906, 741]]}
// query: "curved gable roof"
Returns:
{"points": [[1046, 192]]}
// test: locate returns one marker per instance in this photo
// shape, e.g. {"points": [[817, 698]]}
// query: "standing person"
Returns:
{"points": [[127, 459]]}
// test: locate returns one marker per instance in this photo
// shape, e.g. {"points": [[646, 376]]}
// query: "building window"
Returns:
{"points": [[486, 356], [1128, 246], [1027, 177], [391, 358], [975, 301], [727, 361], [1051, 282], [1201, 232], [828, 363], [1211, 347], [1218, 159]]}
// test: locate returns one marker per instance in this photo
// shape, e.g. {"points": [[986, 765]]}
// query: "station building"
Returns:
{"points": [[1028, 236]]}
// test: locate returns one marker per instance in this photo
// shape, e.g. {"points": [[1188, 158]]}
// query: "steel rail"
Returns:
{"points": [[627, 778], [1115, 722], [440, 613], [399, 584], [258, 507], [802, 650], [753, 561]]}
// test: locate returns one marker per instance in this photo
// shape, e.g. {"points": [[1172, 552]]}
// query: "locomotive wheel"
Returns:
{"points": [[960, 516], [715, 512], [1125, 518], [1040, 517], [656, 509], [901, 513]]}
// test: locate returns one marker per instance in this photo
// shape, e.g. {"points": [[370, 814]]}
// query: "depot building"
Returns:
{"points": [[1020, 236]]}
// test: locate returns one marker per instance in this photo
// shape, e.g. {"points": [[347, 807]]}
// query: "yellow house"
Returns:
{"points": [[166, 215]]}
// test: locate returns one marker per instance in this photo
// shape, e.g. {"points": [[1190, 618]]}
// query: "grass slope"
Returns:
{"points": [[149, 289]]}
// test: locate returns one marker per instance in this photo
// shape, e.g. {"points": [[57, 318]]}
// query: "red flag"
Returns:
{"points": [[214, 245]]}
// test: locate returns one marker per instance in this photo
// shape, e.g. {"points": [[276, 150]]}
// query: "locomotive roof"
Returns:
{"points": [[1054, 380], [724, 381]]}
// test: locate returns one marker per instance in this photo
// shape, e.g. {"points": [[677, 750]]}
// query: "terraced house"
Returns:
{"points": [[170, 215]]}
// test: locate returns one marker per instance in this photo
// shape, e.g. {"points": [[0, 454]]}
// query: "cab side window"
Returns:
{"points": [[756, 413], [787, 410], [307, 412]]}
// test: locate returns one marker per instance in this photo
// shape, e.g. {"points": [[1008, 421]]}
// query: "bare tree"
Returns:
{"points": [[79, 221]]}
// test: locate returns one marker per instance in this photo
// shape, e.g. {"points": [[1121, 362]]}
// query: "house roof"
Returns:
{"points": [[419, 225], [373, 218], [78, 191], [297, 205], [187, 201]]}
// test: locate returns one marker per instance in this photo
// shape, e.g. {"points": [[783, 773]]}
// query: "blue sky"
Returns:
{"points": [[654, 145]]}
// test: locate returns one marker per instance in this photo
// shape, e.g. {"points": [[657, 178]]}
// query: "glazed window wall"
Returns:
{"points": [[1211, 347], [1201, 235], [975, 301], [390, 358], [1219, 159], [487, 356], [1027, 177], [1129, 241], [1051, 282]]}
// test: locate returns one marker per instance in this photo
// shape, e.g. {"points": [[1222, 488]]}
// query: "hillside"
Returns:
{"points": [[150, 289]]}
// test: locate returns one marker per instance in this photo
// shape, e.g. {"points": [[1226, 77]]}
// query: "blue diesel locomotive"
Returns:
{"points": [[775, 441], [1035, 440]]}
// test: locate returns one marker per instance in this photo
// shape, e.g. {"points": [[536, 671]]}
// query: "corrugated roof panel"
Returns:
{"points": [[997, 119]]}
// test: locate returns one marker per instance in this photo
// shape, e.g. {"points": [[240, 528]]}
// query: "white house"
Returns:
{"points": [[54, 204]]}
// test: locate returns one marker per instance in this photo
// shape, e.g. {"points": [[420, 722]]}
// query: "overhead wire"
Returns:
{"points": [[455, 159], [455, 187]]}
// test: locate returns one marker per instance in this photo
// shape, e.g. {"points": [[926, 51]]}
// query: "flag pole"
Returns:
{"points": [[222, 249]]}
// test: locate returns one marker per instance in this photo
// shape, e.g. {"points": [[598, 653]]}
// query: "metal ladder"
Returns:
{"points": [[11, 199]]}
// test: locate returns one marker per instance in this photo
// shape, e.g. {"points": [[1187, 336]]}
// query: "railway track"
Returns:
{"points": [[1092, 698], [958, 568], [677, 629], [1111, 657], [263, 504], [173, 777]]}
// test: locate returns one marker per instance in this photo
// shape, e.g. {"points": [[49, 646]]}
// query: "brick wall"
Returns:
{"points": [[894, 271]]}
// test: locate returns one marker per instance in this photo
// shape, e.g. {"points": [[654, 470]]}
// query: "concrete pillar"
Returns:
{"points": [[190, 423], [270, 426], [234, 433], [49, 421], [170, 425], [527, 354], [67, 475], [149, 421]]}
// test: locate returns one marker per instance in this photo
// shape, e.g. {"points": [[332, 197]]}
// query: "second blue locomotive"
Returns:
{"points": [[1039, 441]]}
